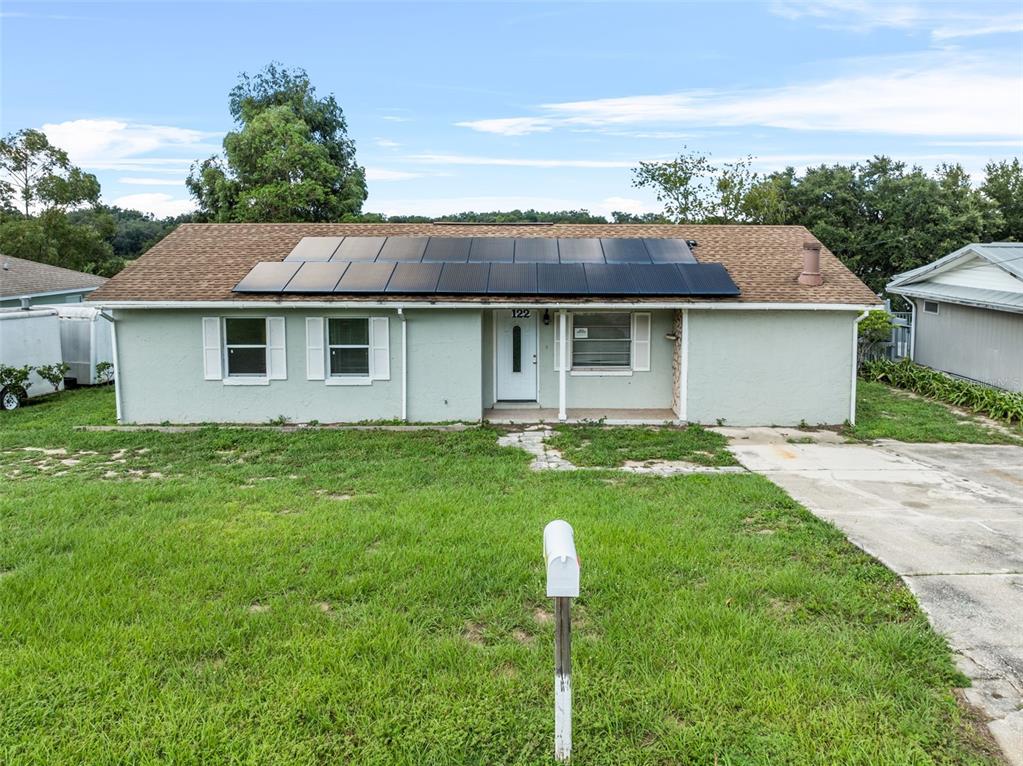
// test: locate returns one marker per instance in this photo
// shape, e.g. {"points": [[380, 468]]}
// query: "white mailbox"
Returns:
{"points": [[562, 562]]}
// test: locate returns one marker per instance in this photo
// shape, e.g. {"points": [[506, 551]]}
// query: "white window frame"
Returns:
{"points": [[330, 378], [599, 372], [937, 308], [244, 380]]}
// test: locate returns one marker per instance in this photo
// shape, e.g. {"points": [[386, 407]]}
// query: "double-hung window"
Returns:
{"points": [[602, 341], [348, 347], [245, 347]]}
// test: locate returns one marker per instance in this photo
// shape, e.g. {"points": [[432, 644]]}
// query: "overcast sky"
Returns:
{"points": [[493, 106]]}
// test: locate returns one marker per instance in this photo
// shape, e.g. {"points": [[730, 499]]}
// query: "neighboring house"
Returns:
{"points": [[433, 322], [30, 283], [968, 313]]}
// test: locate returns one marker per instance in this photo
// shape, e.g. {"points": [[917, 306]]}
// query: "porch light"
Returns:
{"points": [[546, 317]]}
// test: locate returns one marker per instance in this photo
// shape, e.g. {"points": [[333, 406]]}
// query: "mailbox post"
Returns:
{"points": [[562, 566]]}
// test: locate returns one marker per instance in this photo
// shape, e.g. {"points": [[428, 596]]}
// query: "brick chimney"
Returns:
{"points": [[811, 274]]}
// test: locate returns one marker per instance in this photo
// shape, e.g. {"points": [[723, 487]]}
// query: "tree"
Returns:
{"points": [[682, 185], [290, 159], [39, 175], [1003, 184], [879, 217], [52, 237], [132, 232]]}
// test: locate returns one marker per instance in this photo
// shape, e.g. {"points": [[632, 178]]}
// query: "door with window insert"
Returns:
{"points": [[516, 355]]}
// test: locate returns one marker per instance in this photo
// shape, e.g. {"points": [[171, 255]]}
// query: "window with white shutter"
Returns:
{"points": [[380, 348], [276, 348]]}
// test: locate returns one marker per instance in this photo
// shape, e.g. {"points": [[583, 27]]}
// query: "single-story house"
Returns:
{"points": [[28, 283], [968, 313], [745, 325]]}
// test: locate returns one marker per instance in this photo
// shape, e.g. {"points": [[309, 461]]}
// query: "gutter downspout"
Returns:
{"points": [[855, 365], [683, 370], [404, 364], [117, 365], [912, 329]]}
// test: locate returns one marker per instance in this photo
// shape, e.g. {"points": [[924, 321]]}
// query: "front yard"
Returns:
{"points": [[253, 596]]}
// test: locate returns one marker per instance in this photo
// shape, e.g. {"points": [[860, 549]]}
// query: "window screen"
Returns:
{"points": [[348, 343], [245, 344], [601, 340]]}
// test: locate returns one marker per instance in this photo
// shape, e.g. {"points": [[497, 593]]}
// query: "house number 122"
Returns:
{"points": [[520, 313]]}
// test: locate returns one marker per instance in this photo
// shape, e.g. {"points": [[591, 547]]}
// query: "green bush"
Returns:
{"points": [[54, 373], [16, 377], [876, 327], [1001, 405]]}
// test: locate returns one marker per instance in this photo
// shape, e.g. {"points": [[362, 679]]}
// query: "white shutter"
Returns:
{"points": [[211, 355], [379, 348], [558, 341], [314, 358], [641, 342], [276, 348]]}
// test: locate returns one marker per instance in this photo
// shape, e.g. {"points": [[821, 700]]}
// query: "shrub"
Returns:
{"points": [[54, 373], [1001, 405], [16, 377], [876, 327], [104, 371]]}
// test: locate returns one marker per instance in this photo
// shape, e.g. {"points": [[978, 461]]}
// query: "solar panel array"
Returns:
{"points": [[492, 250], [491, 266]]}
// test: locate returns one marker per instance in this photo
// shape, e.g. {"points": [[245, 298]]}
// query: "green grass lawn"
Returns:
{"points": [[596, 445], [258, 597], [883, 412]]}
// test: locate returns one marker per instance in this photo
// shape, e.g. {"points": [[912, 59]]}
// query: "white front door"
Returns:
{"points": [[516, 355]]}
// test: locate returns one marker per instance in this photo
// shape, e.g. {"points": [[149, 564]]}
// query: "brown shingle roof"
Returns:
{"points": [[203, 262], [19, 277]]}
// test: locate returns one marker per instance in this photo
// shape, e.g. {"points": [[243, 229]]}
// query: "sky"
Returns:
{"points": [[490, 106]]}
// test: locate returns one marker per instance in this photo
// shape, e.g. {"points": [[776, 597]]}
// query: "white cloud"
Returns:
{"points": [[386, 143], [159, 204], [522, 162], [942, 20], [111, 144], [437, 206], [931, 95], [135, 181], [383, 174], [395, 118]]}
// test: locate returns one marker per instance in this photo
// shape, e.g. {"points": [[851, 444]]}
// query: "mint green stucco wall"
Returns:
{"points": [[769, 367], [640, 390], [161, 372]]}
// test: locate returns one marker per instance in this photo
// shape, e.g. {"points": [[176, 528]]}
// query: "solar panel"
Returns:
{"points": [[609, 279], [465, 278], [512, 279], [492, 250], [359, 249], [447, 250], [406, 249], [536, 250], [365, 278], [586, 250], [267, 277], [669, 251], [314, 249], [708, 279], [561, 279], [658, 279], [414, 278], [315, 277], [623, 250]]}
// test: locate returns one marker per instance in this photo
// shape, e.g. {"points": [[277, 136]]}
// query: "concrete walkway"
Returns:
{"points": [[948, 518]]}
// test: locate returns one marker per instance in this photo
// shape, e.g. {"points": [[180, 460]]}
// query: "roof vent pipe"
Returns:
{"points": [[811, 274]]}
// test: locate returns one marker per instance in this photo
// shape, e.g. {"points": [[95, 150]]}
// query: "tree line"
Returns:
{"points": [[289, 158]]}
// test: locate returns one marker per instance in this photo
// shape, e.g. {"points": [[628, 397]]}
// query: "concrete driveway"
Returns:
{"points": [[948, 518]]}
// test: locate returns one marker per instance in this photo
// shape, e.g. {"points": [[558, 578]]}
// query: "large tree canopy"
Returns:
{"points": [[37, 176], [290, 159]]}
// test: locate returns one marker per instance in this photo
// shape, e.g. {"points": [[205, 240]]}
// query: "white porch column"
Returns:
{"points": [[562, 364]]}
